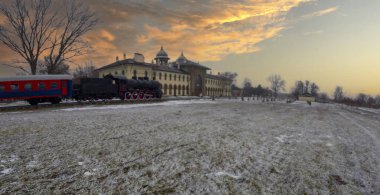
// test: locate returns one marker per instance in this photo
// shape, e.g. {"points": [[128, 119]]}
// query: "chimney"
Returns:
{"points": [[139, 58], [117, 58], [125, 56]]}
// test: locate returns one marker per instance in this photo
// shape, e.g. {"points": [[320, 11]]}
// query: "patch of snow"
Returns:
{"points": [[329, 145], [112, 107], [282, 138], [32, 164], [222, 173], [87, 174], [7, 171]]}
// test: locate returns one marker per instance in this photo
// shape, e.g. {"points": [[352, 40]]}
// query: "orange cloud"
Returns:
{"points": [[321, 12]]}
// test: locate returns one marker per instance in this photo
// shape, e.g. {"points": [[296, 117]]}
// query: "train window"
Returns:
{"points": [[14, 87], [2, 87], [54, 85], [41, 86], [28, 86]]}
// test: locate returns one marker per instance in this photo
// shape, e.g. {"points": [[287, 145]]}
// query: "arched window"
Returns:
{"points": [[166, 89], [154, 76], [135, 74], [183, 89], [170, 89], [175, 90], [179, 90], [170, 77], [165, 76], [123, 72], [175, 77], [146, 73], [183, 78], [187, 90], [159, 76]]}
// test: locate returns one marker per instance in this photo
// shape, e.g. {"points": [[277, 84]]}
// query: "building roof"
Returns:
{"points": [[124, 62], [37, 77], [168, 69], [217, 77]]}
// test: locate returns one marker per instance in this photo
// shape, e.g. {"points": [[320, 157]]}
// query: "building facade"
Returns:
{"points": [[182, 77]]}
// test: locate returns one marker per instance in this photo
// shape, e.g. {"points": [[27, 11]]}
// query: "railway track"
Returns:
{"points": [[86, 103]]}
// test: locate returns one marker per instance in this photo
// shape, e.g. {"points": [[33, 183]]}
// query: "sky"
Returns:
{"points": [[329, 42]]}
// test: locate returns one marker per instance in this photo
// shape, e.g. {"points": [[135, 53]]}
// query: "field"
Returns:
{"points": [[192, 147]]}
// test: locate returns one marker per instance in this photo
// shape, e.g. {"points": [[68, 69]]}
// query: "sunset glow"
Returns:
{"points": [[328, 42]]}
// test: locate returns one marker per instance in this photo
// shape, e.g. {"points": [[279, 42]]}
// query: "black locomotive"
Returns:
{"points": [[111, 87]]}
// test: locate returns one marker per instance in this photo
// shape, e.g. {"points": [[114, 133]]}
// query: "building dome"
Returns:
{"points": [[162, 57], [162, 53], [182, 59]]}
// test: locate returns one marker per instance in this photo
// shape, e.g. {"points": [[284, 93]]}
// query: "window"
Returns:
{"points": [[14, 87], [28, 86], [165, 76], [135, 74], [170, 77], [54, 85], [41, 85], [175, 77], [154, 75], [115, 72], [159, 76], [146, 73], [2, 87], [123, 72], [183, 78]]}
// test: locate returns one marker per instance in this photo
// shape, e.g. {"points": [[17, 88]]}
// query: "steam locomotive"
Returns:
{"points": [[115, 87], [53, 88]]}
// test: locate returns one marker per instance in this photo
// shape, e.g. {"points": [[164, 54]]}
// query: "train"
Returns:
{"points": [[37, 89]]}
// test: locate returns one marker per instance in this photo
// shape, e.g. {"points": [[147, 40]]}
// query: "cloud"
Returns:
{"points": [[206, 31], [313, 32], [321, 12]]}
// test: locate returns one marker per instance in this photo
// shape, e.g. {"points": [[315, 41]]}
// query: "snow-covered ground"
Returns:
{"points": [[191, 147]]}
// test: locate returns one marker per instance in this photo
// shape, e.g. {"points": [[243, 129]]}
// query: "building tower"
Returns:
{"points": [[162, 57]]}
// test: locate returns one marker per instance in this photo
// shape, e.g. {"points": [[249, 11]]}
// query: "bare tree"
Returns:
{"points": [[85, 71], [34, 28], [314, 88], [298, 89], [277, 84], [230, 75], [362, 98], [46, 67], [338, 94], [377, 100]]}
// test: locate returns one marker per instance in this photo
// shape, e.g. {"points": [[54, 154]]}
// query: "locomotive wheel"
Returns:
{"points": [[128, 95], [135, 95], [141, 96]]}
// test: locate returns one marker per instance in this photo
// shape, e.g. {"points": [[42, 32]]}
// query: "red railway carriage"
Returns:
{"points": [[36, 88]]}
